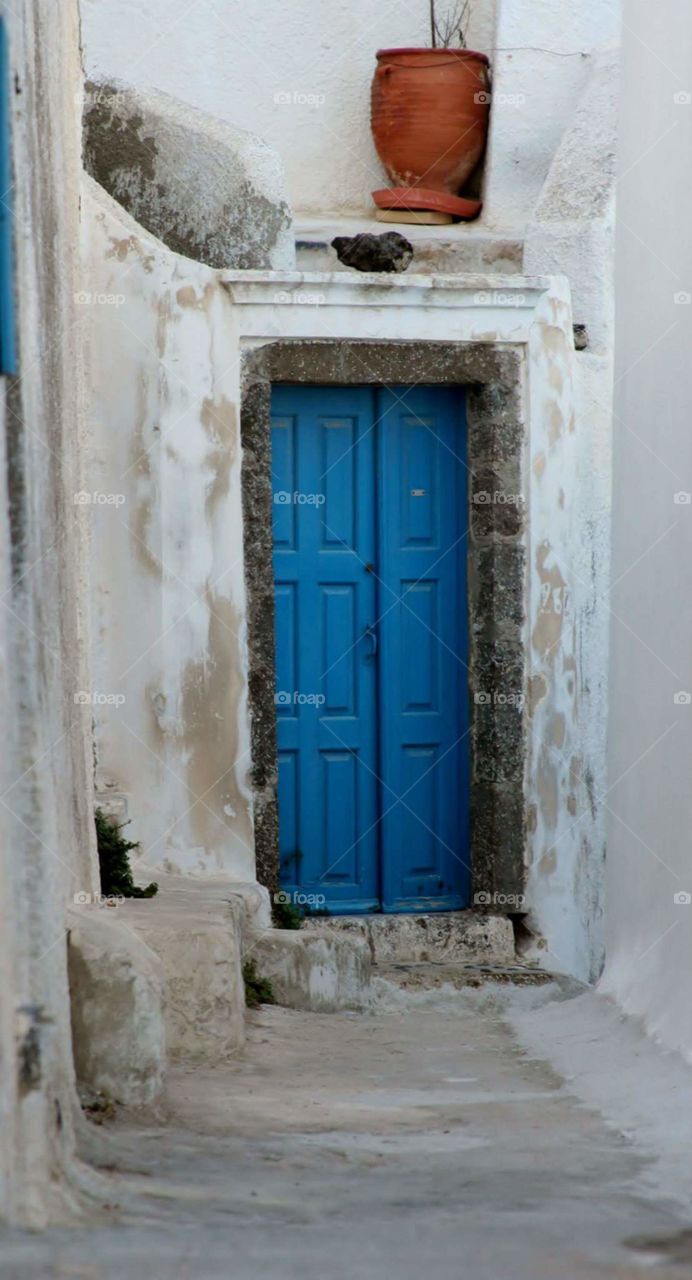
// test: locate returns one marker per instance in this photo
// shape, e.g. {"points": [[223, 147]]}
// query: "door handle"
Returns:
{"points": [[370, 634]]}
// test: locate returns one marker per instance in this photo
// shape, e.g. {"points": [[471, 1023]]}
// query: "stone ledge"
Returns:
{"points": [[195, 927], [457, 248], [117, 998], [434, 976], [318, 969], [462, 936]]}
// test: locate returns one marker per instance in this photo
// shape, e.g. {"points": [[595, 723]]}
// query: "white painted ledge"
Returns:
{"points": [[437, 308]]}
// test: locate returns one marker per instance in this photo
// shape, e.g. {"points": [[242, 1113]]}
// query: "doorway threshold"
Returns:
{"points": [[461, 937]]}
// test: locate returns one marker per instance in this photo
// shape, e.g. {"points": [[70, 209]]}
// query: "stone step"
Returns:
{"points": [[321, 970], [431, 976], [466, 937], [460, 249]]}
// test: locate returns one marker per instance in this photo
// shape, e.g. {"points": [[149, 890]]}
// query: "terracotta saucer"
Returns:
{"points": [[422, 198]]}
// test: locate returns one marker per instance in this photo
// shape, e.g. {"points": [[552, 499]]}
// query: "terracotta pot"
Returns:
{"points": [[430, 112]]}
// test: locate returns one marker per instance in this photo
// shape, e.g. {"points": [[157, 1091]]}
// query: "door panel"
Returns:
{"points": [[370, 569], [324, 536], [423, 692]]}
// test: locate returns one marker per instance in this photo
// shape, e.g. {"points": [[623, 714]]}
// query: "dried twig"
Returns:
{"points": [[453, 27]]}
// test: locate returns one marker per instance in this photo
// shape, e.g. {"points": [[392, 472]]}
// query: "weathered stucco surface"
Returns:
{"points": [[47, 843], [206, 189], [169, 700], [572, 232]]}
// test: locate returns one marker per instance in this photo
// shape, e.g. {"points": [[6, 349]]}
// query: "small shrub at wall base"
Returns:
{"points": [[114, 862], [285, 914], [258, 990]]}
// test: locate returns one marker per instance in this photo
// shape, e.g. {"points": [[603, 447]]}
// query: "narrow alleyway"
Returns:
{"points": [[423, 1139]]}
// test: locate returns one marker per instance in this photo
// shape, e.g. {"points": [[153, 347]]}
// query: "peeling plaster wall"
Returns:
{"points": [[649, 799], [567, 673], [572, 231], [170, 678], [47, 840]]}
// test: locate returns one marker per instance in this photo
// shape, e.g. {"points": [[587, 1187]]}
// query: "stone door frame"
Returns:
{"points": [[488, 337]]}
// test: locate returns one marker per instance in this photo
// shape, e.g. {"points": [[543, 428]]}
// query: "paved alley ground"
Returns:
{"points": [[429, 1139]]}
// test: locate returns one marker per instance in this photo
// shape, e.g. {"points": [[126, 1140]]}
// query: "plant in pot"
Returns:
{"points": [[430, 110]]}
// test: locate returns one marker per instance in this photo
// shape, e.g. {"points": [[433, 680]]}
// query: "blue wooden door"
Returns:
{"points": [[323, 461], [370, 587], [423, 649]]}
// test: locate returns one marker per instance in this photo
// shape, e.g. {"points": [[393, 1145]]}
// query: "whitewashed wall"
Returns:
{"points": [[47, 839], [299, 75], [649, 797], [542, 62], [571, 231], [169, 666]]}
